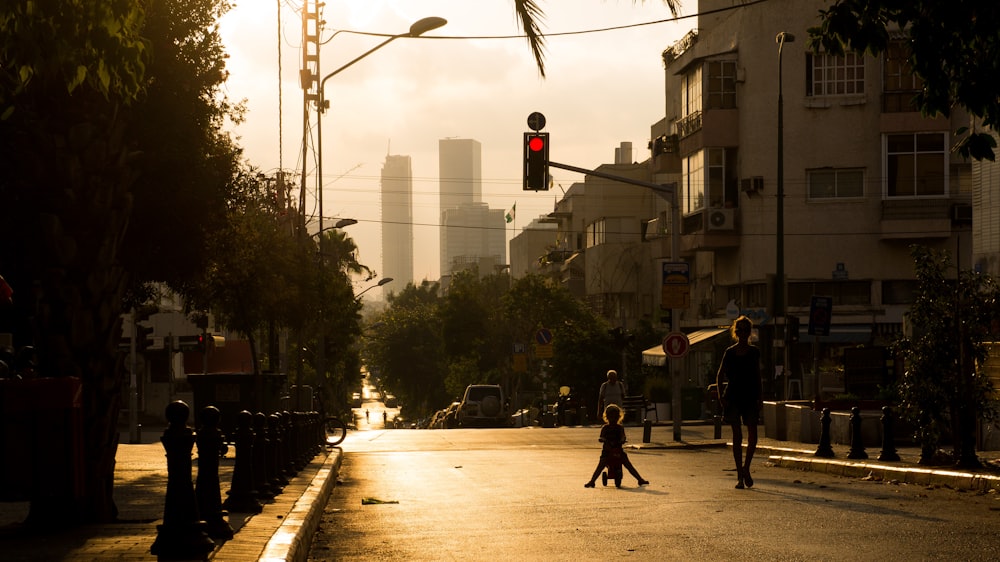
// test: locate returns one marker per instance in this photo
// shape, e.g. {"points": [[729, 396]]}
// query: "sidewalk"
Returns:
{"points": [[278, 533], [801, 456]]}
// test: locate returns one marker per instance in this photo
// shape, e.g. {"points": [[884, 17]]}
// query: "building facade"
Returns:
{"points": [[865, 177], [397, 221], [471, 232]]}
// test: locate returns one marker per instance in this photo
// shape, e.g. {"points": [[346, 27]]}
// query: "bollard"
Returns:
{"points": [[274, 468], [888, 439], [824, 450], [242, 496], [285, 427], [211, 446], [261, 476], [857, 443], [647, 430], [183, 534], [717, 421]]}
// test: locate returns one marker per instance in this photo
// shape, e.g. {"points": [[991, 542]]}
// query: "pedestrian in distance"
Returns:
{"points": [[613, 437], [741, 400], [612, 392]]}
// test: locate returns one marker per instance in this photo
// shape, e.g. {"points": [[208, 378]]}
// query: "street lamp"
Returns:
{"points": [[381, 282], [779, 270], [418, 28], [337, 225]]}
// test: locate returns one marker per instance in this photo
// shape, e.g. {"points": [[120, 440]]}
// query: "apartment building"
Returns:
{"points": [[865, 176]]}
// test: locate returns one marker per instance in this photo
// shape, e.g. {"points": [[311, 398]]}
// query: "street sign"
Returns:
{"points": [[536, 121], [675, 288], [676, 345], [543, 343]]}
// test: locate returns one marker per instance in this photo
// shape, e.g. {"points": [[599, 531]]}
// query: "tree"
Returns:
{"points": [[954, 49], [406, 348], [530, 15], [477, 342], [68, 75], [582, 350], [79, 83], [942, 387]]}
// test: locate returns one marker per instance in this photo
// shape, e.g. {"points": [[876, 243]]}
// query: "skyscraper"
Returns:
{"points": [[460, 172], [397, 221]]}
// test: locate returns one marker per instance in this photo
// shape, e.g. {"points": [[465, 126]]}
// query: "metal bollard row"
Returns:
{"points": [[270, 449]]}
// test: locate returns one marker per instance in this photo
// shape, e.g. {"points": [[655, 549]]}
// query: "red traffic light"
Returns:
{"points": [[536, 161]]}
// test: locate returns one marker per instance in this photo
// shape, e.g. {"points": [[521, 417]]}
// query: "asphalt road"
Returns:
{"points": [[517, 494]]}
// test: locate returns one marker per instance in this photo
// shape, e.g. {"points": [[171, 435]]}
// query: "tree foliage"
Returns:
{"points": [[108, 110], [530, 15], [429, 347], [954, 49], [943, 389]]}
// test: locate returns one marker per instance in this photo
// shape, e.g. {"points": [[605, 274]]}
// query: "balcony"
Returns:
{"points": [[710, 229], [905, 219]]}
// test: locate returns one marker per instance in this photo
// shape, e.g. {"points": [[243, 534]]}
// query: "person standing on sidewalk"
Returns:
{"points": [[612, 392], [742, 399]]}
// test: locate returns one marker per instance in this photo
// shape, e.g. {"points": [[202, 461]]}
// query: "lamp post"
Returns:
{"points": [[779, 269], [418, 28], [381, 282]]}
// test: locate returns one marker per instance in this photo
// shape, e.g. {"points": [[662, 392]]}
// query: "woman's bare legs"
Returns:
{"points": [[751, 448], [738, 452]]}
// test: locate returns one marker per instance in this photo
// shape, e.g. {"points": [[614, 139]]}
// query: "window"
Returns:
{"points": [[595, 233], [721, 84], [899, 292], [691, 94], [833, 183], [900, 84], [835, 75], [693, 182], [915, 165]]}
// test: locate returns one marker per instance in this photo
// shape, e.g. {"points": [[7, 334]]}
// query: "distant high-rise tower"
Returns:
{"points": [[460, 164], [397, 222]]}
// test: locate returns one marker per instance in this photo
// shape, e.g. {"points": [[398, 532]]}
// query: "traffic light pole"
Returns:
{"points": [[669, 192]]}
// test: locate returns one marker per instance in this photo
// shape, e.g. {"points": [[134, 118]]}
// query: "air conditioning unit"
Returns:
{"points": [[721, 219]]}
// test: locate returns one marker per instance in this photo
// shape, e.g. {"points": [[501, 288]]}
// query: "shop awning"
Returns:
{"points": [[655, 357]]}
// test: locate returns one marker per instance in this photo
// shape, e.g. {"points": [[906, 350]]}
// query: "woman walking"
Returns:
{"points": [[742, 398]]}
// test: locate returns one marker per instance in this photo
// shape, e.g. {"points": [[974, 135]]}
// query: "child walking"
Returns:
{"points": [[613, 437]]}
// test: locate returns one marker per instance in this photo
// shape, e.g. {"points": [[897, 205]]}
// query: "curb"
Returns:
{"points": [[292, 539], [906, 475]]}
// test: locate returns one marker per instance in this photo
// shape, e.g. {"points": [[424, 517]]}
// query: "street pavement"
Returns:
{"points": [[284, 529]]}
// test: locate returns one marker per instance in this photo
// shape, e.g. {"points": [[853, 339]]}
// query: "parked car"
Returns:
{"points": [[483, 406]]}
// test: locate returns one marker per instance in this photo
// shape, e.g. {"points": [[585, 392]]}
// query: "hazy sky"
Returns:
{"points": [[601, 89]]}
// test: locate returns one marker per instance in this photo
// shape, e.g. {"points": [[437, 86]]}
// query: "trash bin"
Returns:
{"points": [[232, 393]]}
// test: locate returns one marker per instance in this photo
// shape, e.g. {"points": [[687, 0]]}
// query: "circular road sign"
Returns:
{"points": [[676, 345], [536, 121]]}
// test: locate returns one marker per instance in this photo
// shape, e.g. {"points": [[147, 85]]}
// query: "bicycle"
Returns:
{"points": [[336, 431]]}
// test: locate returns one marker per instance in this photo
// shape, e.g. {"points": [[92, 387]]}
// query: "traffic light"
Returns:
{"points": [[143, 337], [792, 329], [536, 161]]}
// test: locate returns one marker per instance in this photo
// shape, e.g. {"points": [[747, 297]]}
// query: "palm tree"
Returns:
{"points": [[530, 15]]}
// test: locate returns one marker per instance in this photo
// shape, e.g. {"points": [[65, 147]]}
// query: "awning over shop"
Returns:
{"points": [[655, 357]]}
